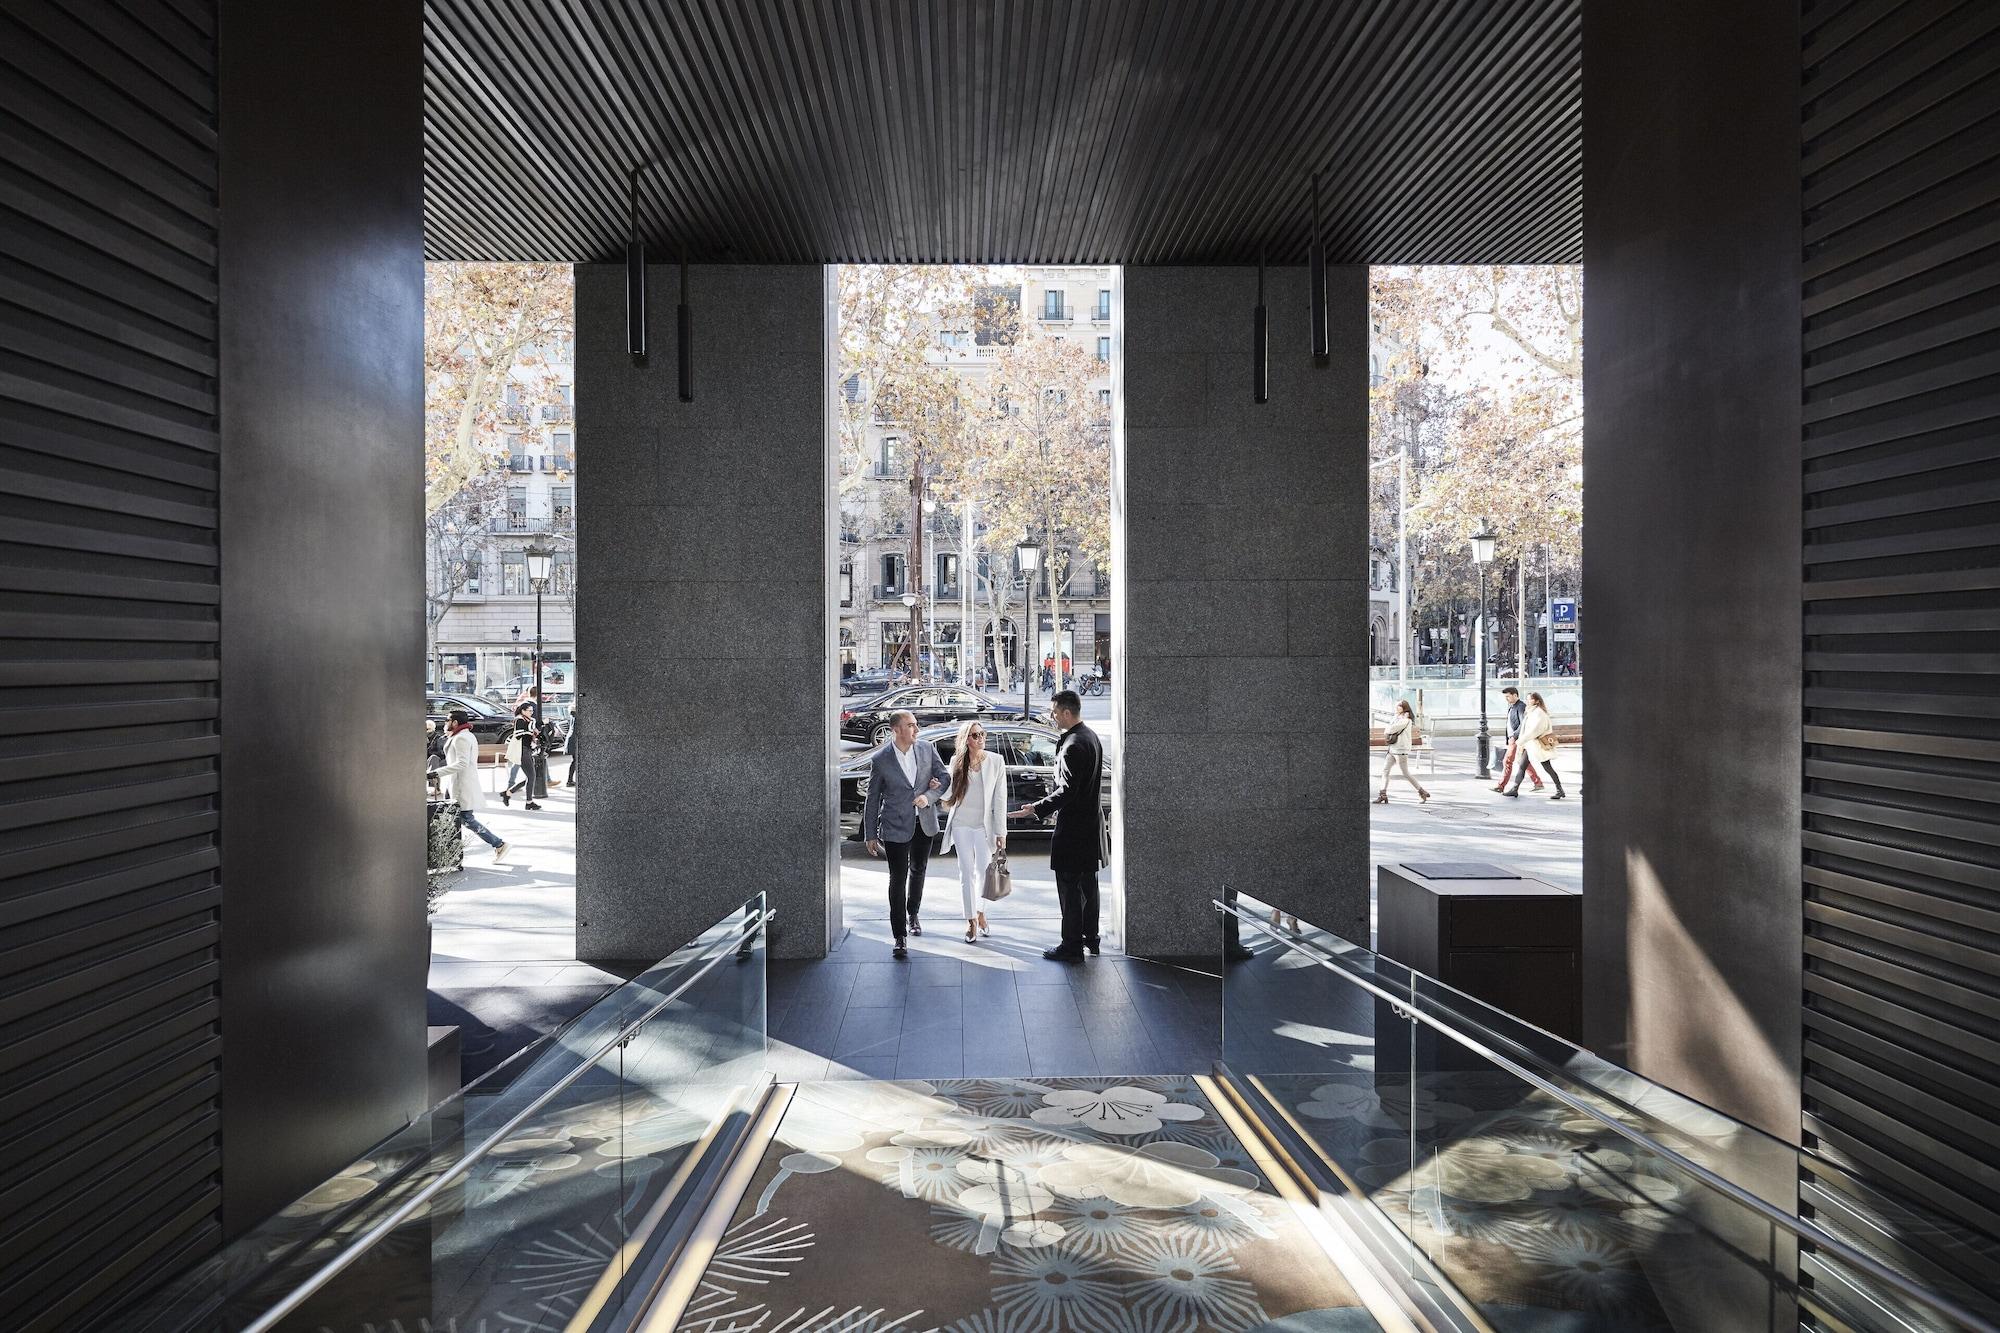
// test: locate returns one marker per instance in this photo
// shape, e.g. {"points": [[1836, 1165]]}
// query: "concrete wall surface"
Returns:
{"points": [[1246, 603], [702, 612]]}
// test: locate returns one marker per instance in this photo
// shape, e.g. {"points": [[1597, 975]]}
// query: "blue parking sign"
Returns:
{"points": [[1562, 611]]}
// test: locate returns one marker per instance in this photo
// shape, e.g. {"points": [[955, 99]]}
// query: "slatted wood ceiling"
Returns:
{"points": [[109, 892], [1145, 131], [1901, 121]]}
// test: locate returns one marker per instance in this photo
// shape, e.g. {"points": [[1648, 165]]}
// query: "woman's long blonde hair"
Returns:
{"points": [[960, 773]]}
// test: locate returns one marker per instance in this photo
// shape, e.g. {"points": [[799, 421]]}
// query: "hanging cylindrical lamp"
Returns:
{"points": [[686, 337], [1318, 282], [1260, 342], [635, 282]]}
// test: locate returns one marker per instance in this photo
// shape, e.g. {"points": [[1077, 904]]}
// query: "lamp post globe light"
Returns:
{"points": [[1029, 556], [539, 559], [1482, 555]]}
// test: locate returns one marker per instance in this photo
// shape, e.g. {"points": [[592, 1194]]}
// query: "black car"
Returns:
{"points": [[1028, 748], [869, 722], [872, 681], [491, 726]]}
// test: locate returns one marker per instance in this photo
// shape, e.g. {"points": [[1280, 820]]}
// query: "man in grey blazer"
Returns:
{"points": [[905, 780]]}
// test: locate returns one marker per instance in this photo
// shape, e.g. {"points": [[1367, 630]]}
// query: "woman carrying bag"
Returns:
{"points": [[1401, 735], [978, 828], [1538, 746]]}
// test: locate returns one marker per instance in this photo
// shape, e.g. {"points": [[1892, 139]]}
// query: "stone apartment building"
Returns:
{"points": [[486, 639], [1067, 302]]}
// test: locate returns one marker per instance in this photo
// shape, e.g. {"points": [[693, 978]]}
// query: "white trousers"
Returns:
{"points": [[975, 853]]}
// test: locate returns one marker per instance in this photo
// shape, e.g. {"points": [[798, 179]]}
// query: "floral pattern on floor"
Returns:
{"points": [[1075, 1205]]}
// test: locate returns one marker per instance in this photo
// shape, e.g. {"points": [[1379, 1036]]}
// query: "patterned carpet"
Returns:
{"points": [[1088, 1205]]}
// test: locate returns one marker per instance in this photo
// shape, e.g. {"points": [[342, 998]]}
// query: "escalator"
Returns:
{"points": [[1374, 1151]]}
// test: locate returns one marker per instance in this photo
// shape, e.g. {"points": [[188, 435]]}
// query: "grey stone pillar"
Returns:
{"points": [[1246, 630], [702, 612]]}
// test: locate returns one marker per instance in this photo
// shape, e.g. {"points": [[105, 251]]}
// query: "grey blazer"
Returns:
{"points": [[890, 813]]}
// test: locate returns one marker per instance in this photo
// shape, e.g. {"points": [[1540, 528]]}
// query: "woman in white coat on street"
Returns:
{"points": [[1538, 746], [461, 771], [978, 806]]}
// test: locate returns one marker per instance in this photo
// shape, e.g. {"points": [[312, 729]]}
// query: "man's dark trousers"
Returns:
{"points": [[1076, 895], [908, 862]]}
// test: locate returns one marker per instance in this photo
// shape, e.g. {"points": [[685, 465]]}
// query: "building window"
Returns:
{"points": [[892, 574], [517, 455], [850, 388], [892, 457], [562, 573], [561, 444], [469, 572], [1052, 303], [1104, 350], [514, 574], [846, 584], [517, 507], [947, 570], [1104, 399], [1104, 303], [562, 504]]}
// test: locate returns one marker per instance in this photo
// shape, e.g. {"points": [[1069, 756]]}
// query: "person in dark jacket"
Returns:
{"points": [[523, 751], [1076, 849]]}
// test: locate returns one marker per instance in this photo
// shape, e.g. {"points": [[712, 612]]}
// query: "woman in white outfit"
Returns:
{"points": [[978, 806], [1401, 734]]}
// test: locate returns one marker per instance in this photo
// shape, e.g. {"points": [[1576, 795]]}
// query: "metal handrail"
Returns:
{"points": [[355, 1249], [1798, 1226]]}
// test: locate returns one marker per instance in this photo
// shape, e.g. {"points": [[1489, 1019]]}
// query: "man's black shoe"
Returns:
{"points": [[1061, 955], [1090, 946], [899, 951], [1236, 953], [916, 926]]}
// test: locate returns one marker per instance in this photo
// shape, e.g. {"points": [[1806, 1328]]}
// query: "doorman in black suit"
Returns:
{"points": [[1077, 849]]}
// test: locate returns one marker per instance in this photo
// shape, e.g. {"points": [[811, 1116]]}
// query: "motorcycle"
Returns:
{"points": [[1090, 684]]}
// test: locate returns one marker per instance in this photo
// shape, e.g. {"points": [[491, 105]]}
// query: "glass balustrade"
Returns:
{"points": [[527, 1200], [1542, 1188]]}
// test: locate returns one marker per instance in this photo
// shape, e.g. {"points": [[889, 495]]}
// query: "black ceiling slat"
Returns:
{"points": [[1044, 131]]}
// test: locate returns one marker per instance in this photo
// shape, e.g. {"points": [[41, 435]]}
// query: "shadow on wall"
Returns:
{"points": [[1687, 1027]]}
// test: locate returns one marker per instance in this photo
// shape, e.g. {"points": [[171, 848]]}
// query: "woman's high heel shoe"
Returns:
{"points": [[1423, 796], [1381, 798], [971, 933], [984, 929]]}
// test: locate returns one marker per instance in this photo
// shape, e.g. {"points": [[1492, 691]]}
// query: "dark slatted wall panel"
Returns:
{"points": [[1901, 205], [109, 898]]}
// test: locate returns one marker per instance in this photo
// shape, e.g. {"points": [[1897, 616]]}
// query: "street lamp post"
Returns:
{"points": [[1030, 556], [539, 559], [1482, 555], [910, 605]]}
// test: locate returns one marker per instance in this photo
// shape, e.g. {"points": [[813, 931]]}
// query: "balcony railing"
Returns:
{"points": [[556, 411], [889, 592]]}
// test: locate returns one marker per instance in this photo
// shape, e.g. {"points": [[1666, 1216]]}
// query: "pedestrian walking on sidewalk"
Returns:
{"points": [[1402, 734], [905, 779], [1538, 746], [1516, 710], [521, 748], [461, 771], [977, 800]]}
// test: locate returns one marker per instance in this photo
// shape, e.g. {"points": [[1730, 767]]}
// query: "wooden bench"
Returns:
{"points": [[1378, 740]]}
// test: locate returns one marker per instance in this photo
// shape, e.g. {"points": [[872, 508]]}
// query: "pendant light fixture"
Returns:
{"points": [[686, 337], [635, 281], [1318, 262], [1260, 342]]}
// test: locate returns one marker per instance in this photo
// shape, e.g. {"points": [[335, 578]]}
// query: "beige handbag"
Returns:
{"points": [[998, 882]]}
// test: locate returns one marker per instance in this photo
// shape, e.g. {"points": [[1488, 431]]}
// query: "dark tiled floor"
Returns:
{"points": [[1006, 1013]]}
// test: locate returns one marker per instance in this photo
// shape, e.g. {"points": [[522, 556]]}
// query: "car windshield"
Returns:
{"points": [[471, 704]]}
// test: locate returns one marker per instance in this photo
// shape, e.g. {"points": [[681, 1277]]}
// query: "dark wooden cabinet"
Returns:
{"points": [[1514, 942]]}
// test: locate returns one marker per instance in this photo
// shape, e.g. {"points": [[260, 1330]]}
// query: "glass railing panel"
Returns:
{"points": [[1552, 1189], [528, 1186]]}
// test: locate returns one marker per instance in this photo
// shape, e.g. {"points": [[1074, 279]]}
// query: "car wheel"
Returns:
{"points": [[882, 734]]}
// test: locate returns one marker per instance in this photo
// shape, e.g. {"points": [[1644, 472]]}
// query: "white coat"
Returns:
{"points": [[992, 812], [1535, 724], [461, 770], [1401, 727]]}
